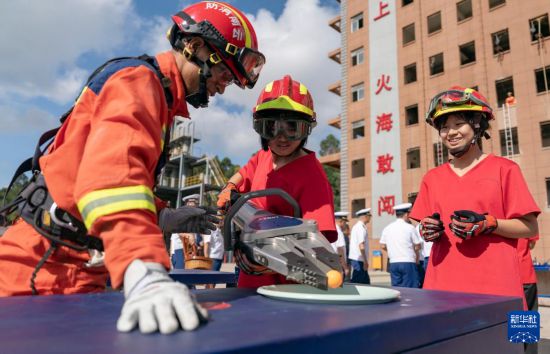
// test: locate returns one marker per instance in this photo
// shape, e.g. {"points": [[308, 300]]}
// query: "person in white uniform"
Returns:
{"points": [[339, 245], [402, 242], [359, 248], [424, 255], [214, 247]]}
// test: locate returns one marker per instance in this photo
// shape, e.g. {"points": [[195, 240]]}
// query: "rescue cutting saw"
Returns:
{"points": [[288, 245]]}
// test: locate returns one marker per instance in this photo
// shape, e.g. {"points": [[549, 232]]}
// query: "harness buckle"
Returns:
{"points": [[59, 222]]}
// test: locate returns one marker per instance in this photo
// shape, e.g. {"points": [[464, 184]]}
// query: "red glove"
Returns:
{"points": [[224, 198], [467, 224], [431, 227]]}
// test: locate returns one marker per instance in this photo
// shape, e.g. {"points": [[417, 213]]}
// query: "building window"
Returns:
{"points": [[503, 87], [358, 129], [410, 73], [514, 142], [542, 78], [408, 34], [441, 153], [545, 133], [413, 158], [436, 64], [501, 41], [495, 3], [357, 56], [463, 10], [406, 2], [411, 114], [434, 22], [357, 22], [539, 27], [411, 197], [467, 53], [358, 168], [548, 192], [356, 205], [357, 92]]}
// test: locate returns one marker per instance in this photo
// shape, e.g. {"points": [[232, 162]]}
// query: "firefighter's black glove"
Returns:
{"points": [[467, 224], [188, 219]]}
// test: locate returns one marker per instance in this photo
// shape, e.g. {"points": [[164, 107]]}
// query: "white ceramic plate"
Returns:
{"points": [[352, 294]]}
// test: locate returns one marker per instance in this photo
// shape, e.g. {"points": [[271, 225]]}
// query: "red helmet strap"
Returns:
{"points": [[200, 98]]}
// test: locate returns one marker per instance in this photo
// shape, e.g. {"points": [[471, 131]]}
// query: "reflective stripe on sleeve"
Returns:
{"points": [[109, 201]]}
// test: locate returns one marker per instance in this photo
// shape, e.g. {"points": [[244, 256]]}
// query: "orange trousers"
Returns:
{"points": [[21, 248]]}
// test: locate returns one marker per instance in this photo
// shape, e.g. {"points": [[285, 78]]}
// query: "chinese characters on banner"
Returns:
{"points": [[384, 114]]}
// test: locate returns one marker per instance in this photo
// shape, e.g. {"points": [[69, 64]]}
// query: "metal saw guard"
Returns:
{"points": [[228, 236]]}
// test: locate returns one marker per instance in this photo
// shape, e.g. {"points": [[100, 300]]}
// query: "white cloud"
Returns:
{"points": [[46, 44], [18, 119], [293, 45], [42, 40], [154, 41]]}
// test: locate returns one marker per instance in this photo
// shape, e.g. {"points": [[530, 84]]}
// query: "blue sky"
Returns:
{"points": [[51, 46]]}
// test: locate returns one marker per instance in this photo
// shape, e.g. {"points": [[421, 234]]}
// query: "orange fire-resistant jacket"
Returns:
{"points": [[101, 169]]}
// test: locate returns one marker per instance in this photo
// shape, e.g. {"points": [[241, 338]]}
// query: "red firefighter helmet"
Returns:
{"points": [[228, 33], [286, 94], [284, 106], [457, 99]]}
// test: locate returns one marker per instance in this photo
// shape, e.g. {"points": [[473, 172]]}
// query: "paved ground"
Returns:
{"points": [[383, 278]]}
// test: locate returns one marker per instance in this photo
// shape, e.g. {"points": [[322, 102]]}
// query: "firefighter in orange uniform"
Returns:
{"points": [[100, 172]]}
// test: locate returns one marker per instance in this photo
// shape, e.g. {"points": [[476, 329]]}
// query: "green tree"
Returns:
{"points": [[329, 145], [333, 175], [15, 189], [228, 168]]}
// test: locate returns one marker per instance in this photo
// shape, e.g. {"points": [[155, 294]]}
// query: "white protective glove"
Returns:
{"points": [[156, 302]]}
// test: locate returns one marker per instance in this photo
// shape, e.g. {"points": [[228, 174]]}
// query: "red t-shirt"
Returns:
{"points": [[527, 272], [487, 264], [305, 180]]}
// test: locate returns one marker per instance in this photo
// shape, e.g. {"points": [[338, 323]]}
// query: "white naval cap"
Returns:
{"points": [[365, 211], [191, 197], [403, 207], [341, 214]]}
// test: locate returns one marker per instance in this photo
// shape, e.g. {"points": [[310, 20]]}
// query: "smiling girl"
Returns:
{"points": [[284, 118], [474, 207]]}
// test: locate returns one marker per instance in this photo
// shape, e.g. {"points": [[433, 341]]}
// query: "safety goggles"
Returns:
{"points": [[292, 129], [247, 62], [452, 98]]}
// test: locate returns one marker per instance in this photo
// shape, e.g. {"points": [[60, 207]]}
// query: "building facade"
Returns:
{"points": [[397, 54]]}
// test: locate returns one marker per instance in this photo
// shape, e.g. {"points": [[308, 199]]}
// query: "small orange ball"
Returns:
{"points": [[335, 279]]}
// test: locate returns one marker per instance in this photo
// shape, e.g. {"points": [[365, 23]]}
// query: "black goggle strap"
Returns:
{"points": [[200, 98], [227, 49]]}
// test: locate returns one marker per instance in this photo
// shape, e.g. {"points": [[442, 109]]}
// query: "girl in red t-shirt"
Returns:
{"points": [[284, 118], [475, 207]]}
